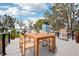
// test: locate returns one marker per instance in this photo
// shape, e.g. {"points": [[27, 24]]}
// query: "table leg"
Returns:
{"points": [[49, 46], [36, 48], [53, 44], [23, 48]]}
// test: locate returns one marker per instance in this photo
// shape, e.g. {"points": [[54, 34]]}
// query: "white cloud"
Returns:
{"points": [[34, 19], [13, 11], [25, 9], [33, 6], [2, 12], [26, 13], [4, 6], [31, 9], [40, 7]]}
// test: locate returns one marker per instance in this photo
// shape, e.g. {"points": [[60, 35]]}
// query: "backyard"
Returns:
{"points": [[50, 29]]}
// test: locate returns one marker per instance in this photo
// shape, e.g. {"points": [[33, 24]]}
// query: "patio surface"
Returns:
{"points": [[64, 48]]}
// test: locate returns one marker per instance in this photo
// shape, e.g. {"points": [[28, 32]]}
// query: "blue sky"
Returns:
{"points": [[24, 11]]}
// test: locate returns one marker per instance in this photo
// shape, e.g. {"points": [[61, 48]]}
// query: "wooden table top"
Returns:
{"points": [[41, 35]]}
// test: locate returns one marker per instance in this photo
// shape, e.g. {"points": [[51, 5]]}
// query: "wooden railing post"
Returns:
{"points": [[3, 44]]}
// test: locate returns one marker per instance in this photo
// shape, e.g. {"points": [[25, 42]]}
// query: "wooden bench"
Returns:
{"points": [[25, 44]]}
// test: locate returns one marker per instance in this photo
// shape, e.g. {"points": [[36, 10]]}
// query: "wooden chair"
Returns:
{"points": [[63, 34], [25, 44]]}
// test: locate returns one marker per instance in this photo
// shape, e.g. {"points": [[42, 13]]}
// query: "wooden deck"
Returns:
{"points": [[64, 48]]}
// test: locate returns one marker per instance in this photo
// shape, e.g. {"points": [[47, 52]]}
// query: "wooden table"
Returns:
{"points": [[40, 36]]}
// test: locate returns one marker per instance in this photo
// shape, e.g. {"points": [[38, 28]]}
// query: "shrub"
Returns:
{"points": [[77, 30], [13, 32]]}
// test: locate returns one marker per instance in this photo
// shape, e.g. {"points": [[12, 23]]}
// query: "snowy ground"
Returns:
{"points": [[64, 48]]}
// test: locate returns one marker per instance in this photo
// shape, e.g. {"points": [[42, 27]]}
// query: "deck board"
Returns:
{"points": [[64, 48]]}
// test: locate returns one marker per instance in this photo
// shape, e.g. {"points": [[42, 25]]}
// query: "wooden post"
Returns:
{"points": [[49, 47], [3, 44], [53, 44], [36, 48]]}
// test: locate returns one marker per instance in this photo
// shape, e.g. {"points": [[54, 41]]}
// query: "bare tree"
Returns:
{"points": [[21, 24], [30, 24]]}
